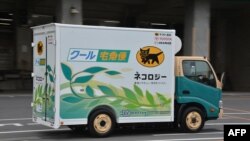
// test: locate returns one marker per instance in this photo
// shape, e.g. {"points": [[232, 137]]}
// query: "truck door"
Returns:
{"points": [[44, 76], [198, 84], [50, 77], [39, 79]]}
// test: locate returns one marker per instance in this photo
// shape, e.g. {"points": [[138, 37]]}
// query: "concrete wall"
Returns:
{"points": [[238, 65], [231, 49], [7, 51], [24, 49], [69, 11], [197, 28], [18, 52]]}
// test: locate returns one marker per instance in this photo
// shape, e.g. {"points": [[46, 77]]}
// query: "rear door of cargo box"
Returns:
{"points": [[44, 75]]}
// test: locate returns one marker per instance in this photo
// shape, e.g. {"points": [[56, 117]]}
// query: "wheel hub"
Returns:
{"points": [[102, 123], [193, 120]]}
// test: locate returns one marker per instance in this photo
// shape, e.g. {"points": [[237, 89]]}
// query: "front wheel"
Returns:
{"points": [[193, 120], [101, 123]]}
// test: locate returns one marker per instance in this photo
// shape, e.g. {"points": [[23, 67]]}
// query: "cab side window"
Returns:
{"points": [[199, 71]]}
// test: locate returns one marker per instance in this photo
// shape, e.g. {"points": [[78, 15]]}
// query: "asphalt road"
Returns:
{"points": [[16, 124]]}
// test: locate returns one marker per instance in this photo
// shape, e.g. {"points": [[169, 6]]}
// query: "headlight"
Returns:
{"points": [[221, 104]]}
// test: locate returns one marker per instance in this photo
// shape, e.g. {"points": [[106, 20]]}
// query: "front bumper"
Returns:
{"points": [[221, 108], [221, 113]]}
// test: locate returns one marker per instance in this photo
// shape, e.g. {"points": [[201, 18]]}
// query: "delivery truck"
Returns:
{"points": [[98, 78]]}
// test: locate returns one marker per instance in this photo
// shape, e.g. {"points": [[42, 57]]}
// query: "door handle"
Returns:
{"points": [[186, 92]]}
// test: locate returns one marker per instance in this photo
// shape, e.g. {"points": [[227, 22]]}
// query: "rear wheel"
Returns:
{"points": [[101, 123], [193, 120]]}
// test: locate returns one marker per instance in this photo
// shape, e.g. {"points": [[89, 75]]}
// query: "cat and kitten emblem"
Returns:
{"points": [[150, 56], [40, 48]]}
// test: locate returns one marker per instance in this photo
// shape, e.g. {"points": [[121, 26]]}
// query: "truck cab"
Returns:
{"points": [[197, 93]]}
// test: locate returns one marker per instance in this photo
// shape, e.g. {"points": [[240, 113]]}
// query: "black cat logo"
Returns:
{"points": [[150, 56], [40, 48]]}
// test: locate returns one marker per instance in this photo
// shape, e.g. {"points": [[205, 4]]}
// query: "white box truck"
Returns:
{"points": [[100, 77]]}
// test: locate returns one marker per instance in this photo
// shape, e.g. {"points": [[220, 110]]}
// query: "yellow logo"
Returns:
{"points": [[150, 56], [40, 48]]}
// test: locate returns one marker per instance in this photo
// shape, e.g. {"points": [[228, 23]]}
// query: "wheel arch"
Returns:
{"points": [[182, 107], [107, 108]]}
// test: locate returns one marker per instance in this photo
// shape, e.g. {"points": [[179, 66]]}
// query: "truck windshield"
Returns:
{"points": [[199, 71]]}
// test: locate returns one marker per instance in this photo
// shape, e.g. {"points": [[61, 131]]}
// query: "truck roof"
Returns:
{"points": [[100, 27], [191, 57]]}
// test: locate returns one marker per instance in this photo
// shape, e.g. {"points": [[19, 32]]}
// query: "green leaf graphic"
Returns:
{"points": [[112, 72], [51, 78], [38, 90], [40, 93], [162, 99], [94, 69], [94, 103], [83, 79], [138, 90], [66, 71], [116, 102], [49, 68], [130, 94], [53, 98], [106, 90], [89, 91], [72, 99], [131, 106], [39, 100], [150, 98], [49, 89]]}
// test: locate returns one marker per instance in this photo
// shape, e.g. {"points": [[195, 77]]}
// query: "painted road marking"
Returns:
{"points": [[238, 94], [189, 139], [33, 124], [30, 131], [238, 110], [189, 134], [15, 119], [241, 123], [237, 117], [11, 124], [236, 113]]}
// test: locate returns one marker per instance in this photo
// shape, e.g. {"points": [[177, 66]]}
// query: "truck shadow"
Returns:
{"points": [[117, 134]]}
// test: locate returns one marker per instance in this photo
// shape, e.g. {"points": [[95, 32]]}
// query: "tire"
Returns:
{"points": [[101, 123], [192, 120]]}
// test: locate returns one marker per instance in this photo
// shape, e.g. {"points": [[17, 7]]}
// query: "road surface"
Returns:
{"points": [[16, 123]]}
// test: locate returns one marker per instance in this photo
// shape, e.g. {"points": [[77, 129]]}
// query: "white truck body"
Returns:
{"points": [[79, 68]]}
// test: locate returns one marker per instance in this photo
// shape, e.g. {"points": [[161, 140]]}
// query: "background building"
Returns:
{"points": [[218, 29]]}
